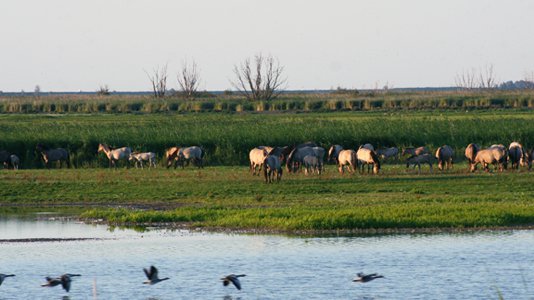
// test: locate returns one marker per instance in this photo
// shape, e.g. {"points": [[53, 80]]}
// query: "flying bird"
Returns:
{"points": [[64, 280], [361, 277], [233, 279], [152, 276], [4, 276]]}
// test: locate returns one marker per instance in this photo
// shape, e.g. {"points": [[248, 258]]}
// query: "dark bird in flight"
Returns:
{"points": [[64, 280], [152, 276], [233, 279], [4, 276], [361, 277]]}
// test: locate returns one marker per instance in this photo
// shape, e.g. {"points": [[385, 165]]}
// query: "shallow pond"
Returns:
{"points": [[441, 266]]}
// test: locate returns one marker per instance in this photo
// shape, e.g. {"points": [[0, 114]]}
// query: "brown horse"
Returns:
{"points": [[50, 155], [4, 157]]}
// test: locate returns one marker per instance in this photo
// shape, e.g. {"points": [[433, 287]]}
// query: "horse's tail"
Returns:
{"points": [[289, 159]]}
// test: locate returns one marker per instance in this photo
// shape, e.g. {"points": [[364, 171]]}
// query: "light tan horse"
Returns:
{"points": [[139, 158], [500, 152], [256, 157], [193, 154], [368, 157], [114, 155], [485, 157], [445, 155], [347, 158]]}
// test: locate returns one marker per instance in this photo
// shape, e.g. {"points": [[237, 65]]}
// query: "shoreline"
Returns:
{"points": [[309, 233]]}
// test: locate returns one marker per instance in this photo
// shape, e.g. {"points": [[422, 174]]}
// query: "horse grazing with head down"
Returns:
{"points": [[368, 157], [485, 157], [187, 155], [114, 155], [139, 158], [53, 155], [417, 160]]}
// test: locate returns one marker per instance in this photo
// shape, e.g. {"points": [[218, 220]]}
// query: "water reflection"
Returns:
{"points": [[424, 266]]}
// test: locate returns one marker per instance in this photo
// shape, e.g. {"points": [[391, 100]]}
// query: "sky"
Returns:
{"points": [[72, 45]]}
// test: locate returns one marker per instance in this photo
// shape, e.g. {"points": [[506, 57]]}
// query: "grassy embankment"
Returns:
{"points": [[228, 197]]}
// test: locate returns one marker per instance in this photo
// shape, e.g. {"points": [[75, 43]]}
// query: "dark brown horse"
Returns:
{"points": [[51, 155]]}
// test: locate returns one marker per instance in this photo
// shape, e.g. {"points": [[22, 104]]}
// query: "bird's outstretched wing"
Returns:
{"points": [[235, 281], [153, 272], [65, 284], [147, 273]]}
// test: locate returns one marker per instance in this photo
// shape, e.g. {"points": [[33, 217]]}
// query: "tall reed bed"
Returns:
{"points": [[227, 139], [291, 102]]}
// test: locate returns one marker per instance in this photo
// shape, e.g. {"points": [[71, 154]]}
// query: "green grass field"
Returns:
{"points": [[224, 195], [227, 138], [229, 197]]}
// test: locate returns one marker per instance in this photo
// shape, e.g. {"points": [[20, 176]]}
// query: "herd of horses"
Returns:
{"points": [[309, 157], [177, 156]]}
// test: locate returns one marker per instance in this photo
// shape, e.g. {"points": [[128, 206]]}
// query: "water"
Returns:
{"points": [[441, 266]]}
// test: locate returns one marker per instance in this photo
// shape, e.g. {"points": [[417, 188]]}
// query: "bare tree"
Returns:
{"points": [[529, 78], [486, 78], [466, 80], [260, 79], [103, 91], [189, 79], [37, 91], [158, 78]]}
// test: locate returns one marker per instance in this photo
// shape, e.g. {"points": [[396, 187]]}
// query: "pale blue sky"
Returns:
{"points": [[79, 45]]}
